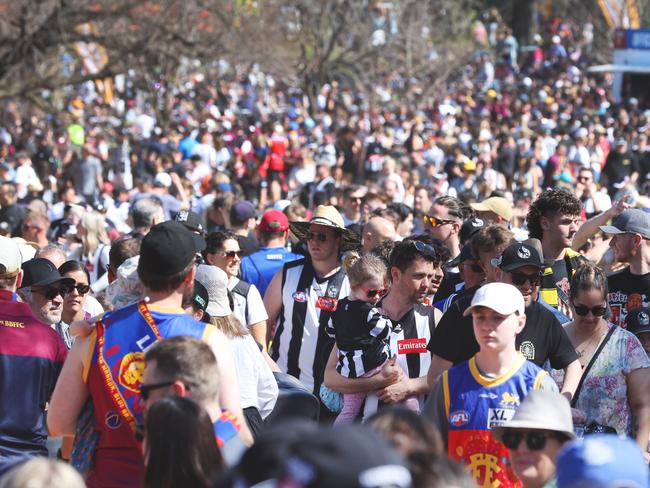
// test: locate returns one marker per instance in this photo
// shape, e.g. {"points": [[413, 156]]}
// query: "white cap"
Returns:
{"points": [[163, 179], [215, 281], [500, 297], [10, 258]]}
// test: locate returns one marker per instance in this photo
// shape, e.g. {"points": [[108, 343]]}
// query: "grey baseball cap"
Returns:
{"points": [[632, 220]]}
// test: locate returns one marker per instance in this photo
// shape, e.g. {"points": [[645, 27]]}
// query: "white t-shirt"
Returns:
{"points": [[25, 177], [250, 309], [257, 385]]}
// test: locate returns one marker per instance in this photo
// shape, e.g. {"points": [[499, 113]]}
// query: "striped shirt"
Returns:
{"points": [[301, 345], [361, 334], [409, 338]]}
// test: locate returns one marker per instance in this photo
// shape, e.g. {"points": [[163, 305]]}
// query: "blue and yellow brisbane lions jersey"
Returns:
{"points": [[473, 405]]}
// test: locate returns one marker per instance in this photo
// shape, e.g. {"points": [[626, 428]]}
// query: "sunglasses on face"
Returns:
{"points": [[232, 254], [372, 294], [81, 288], [535, 441], [53, 292], [318, 236], [583, 310], [145, 390], [435, 221], [583, 178], [519, 279]]}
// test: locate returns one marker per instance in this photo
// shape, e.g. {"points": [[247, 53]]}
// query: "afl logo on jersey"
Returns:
{"points": [[527, 349], [458, 418], [300, 296], [112, 420], [523, 253]]}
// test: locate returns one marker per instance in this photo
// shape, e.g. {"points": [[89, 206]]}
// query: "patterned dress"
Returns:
{"points": [[604, 393]]}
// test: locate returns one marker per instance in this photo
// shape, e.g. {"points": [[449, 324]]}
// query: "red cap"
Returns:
{"points": [[273, 221]]}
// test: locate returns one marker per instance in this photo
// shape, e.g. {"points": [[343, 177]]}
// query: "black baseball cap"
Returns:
{"points": [[518, 255], [191, 220], [637, 321], [470, 227], [169, 248], [42, 272], [200, 297]]}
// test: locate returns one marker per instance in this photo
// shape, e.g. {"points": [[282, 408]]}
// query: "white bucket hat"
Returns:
{"points": [[540, 410]]}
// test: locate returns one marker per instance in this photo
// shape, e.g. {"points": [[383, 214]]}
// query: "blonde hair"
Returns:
{"points": [[95, 234], [363, 268], [230, 326], [42, 472]]}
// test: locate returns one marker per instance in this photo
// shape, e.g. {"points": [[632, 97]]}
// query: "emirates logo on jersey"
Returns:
{"points": [[417, 345]]}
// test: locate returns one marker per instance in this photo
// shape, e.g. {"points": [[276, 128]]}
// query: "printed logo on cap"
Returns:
{"points": [[476, 222], [182, 216], [644, 320], [523, 253]]}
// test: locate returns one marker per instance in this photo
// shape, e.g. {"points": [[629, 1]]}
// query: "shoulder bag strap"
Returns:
{"points": [[574, 401]]}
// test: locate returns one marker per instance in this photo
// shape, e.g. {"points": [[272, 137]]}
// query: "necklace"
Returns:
{"points": [[586, 349]]}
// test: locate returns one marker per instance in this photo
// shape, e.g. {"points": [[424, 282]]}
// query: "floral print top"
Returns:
{"points": [[603, 396]]}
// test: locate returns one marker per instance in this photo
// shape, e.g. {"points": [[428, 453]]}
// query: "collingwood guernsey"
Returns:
{"points": [[409, 339], [301, 346]]}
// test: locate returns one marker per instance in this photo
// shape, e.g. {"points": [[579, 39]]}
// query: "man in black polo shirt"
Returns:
{"points": [[542, 337]]}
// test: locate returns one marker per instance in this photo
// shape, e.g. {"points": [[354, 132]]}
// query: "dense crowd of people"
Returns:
{"points": [[194, 302]]}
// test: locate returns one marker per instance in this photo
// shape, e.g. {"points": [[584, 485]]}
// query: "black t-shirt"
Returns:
{"points": [[627, 292], [618, 166], [448, 285], [542, 338]]}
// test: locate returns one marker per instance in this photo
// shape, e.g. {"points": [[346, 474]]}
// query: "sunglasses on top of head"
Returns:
{"points": [[435, 221]]}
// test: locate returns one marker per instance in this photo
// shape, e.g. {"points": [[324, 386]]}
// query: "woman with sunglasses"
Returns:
{"points": [[223, 251], [361, 330], [75, 298], [616, 369]]}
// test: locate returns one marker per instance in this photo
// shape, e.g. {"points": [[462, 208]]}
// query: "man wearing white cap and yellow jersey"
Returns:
{"points": [[484, 392]]}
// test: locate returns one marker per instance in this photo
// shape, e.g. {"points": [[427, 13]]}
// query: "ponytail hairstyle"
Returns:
{"points": [[362, 268]]}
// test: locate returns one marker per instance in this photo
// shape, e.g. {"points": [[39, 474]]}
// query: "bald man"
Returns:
{"points": [[377, 230]]}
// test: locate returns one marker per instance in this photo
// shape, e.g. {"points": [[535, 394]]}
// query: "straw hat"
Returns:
{"points": [[327, 216]]}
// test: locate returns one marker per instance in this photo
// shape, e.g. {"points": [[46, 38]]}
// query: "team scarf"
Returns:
{"points": [[120, 357]]}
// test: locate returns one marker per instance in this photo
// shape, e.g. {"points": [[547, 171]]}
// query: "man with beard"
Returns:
{"points": [[43, 289], [629, 288], [554, 219], [412, 324], [108, 365]]}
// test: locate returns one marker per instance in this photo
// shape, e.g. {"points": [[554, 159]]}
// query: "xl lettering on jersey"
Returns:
{"points": [[499, 416], [417, 345]]}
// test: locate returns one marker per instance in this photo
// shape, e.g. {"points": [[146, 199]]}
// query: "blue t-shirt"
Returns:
{"points": [[259, 268]]}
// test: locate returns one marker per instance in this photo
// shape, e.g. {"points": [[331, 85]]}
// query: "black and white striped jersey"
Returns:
{"points": [[361, 333], [409, 339], [301, 346]]}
